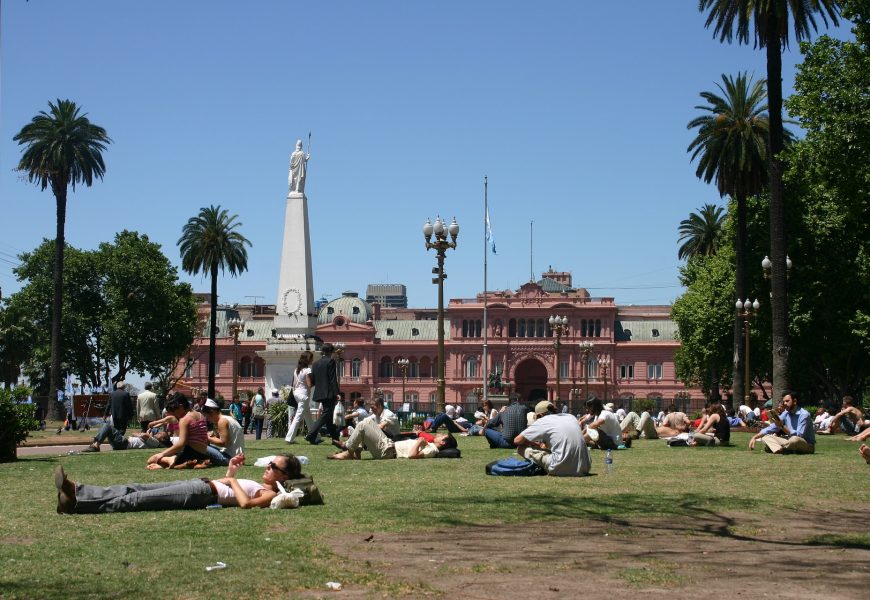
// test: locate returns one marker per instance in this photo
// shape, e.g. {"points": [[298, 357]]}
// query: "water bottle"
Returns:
{"points": [[608, 462], [303, 460]]}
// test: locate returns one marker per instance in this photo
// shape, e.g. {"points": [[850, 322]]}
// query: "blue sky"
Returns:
{"points": [[576, 112]]}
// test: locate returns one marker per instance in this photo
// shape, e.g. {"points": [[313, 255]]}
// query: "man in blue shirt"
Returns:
{"points": [[789, 433]]}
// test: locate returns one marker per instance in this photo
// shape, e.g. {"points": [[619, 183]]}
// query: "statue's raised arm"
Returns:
{"points": [[298, 168]]}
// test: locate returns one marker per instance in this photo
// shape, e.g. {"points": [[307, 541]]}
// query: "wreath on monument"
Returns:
{"points": [[298, 307]]}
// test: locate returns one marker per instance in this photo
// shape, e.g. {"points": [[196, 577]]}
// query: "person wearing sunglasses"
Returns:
{"points": [[188, 494]]}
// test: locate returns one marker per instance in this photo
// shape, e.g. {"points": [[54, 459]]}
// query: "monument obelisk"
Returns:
{"points": [[295, 317]]}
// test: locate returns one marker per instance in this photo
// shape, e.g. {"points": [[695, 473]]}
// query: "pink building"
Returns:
{"points": [[632, 354]]}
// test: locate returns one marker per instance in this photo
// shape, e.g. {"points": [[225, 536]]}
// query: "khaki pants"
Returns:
{"points": [[368, 434], [643, 424], [539, 457], [794, 444]]}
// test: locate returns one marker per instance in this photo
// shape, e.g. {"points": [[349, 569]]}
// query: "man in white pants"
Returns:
{"points": [[637, 426]]}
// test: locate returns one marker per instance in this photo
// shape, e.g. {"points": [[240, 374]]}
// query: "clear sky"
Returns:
{"points": [[576, 112]]}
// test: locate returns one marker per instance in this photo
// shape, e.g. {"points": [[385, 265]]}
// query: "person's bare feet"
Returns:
{"points": [[66, 492], [864, 450], [346, 455], [153, 467], [339, 444]]}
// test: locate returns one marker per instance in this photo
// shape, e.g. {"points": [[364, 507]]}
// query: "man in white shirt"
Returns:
{"points": [[554, 442], [384, 418], [602, 431], [369, 435], [147, 408]]}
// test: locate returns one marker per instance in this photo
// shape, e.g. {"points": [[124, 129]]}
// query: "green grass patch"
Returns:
{"points": [[273, 553], [841, 540]]}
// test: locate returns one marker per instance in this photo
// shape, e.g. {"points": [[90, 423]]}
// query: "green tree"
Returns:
{"points": [[210, 243], [62, 148], [701, 233], [771, 32], [731, 148]]}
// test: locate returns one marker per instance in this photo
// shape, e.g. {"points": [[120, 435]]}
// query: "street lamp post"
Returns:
{"points": [[747, 311], [403, 367], [604, 363], [585, 350], [559, 325], [440, 245], [236, 325]]}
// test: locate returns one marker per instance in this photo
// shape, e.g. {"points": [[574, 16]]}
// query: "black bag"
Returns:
{"points": [[313, 495]]}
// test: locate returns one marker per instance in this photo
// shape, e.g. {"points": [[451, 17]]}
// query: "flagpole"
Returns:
{"points": [[485, 294]]}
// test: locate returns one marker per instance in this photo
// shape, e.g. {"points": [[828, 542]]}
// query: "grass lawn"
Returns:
{"points": [[276, 553]]}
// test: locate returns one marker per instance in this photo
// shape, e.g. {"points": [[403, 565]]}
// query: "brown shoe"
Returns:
{"points": [[339, 444]]}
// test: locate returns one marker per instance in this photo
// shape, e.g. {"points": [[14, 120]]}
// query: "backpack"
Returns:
{"points": [[514, 466], [312, 494]]}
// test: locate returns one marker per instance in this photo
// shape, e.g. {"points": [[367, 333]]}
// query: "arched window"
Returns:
{"points": [[512, 328], [386, 369], [425, 367], [583, 330], [471, 367], [464, 328], [413, 368], [259, 369], [388, 398], [355, 368], [245, 367], [541, 328], [592, 367], [340, 368], [477, 326], [521, 328], [597, 327]]}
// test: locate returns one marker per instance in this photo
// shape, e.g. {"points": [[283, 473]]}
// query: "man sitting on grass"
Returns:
{"points": [[849, 420], [790, 432], [381, 447], [554, 442], [512, 420]]}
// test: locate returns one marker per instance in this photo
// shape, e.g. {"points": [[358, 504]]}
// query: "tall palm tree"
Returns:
{"points": [[701, 232], [210, 243], [771, 21], [731, 148], [62, 148]]}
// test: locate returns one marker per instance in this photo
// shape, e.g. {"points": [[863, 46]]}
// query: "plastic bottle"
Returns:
{"points": [[608, 462]]}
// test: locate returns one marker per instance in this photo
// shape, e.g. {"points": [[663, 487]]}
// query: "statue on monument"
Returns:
{"points": [[298, 167]]}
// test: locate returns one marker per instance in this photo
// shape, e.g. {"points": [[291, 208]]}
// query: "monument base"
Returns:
{"points": [[280, 358]]}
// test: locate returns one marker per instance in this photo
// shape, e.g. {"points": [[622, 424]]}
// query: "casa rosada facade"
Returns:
{"points": [[617, 353]]}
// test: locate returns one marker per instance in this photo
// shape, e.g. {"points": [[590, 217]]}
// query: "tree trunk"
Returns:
{"points": [[213, 332], [778, 285], [738, 385], [55, 381], [714, 381]]}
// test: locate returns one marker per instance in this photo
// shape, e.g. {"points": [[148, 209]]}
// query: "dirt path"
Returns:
{"points": [[726, 555]]}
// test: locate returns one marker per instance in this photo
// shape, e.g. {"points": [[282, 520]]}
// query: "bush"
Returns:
{"points": [[278, 415], [16, 421], [645, 404]]}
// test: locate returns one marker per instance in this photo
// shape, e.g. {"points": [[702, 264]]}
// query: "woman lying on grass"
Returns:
{"points": [[189, 494]]}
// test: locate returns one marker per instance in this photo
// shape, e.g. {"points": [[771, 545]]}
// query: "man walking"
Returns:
{"points": [[325, 376], [147, 407]]}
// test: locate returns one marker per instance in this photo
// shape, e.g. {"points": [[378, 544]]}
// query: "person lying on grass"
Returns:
{"points": [[191, 447], [189, 494], [370, 435]]}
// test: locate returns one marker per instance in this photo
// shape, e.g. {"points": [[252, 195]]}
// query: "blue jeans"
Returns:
{"points": [[443, 419], [115, 437], [217, 458], [258, 427], [497, 440], [168, 495]]}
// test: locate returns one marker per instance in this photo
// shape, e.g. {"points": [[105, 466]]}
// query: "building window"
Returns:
{"points": [[626, 371], [245, 367], [512, 328], [415, 331], [386, 369], [356, 310], [471, 367], [425, 367], [477, 328], [413, 368], [563, 369], [217, 369], [411, 397], [389, 331], [340, 368], [464, 328], [188, 368], [259, 368], [388, 397], [655, 333], [355, 367], [330, 310], [542, 328], [654, 370], [433, 398], [592, 368], [597, 327]]}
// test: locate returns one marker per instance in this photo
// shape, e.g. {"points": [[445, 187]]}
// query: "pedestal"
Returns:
{"points": [[280, 358]]}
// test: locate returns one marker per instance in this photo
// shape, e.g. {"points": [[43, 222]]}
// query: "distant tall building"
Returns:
{"points": [[389, 295]]}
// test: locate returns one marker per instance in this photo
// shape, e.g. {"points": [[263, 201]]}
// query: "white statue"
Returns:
{"points": [[298, 167]]}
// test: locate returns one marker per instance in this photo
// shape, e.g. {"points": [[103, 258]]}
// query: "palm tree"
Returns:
{"points": [[62, 148], [731, 146], [771, 20], [210, 243], [702, 232]]}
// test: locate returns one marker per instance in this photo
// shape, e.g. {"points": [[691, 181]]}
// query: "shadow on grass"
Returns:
{"points": [[841, 540]]}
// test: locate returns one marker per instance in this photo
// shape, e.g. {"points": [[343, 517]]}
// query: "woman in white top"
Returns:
{"points": [[301, 391], [227, 439]]}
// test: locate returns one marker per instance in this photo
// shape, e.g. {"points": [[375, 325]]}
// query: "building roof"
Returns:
{"points": [[551, 286], [654, 330], [352, 307], [410, 330], [255, 329]]}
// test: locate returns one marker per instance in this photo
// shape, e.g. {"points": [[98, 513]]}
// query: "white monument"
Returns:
{"points": [[295, 317]]}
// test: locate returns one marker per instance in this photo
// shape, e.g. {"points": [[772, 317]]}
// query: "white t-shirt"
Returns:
{"points": [[237, 437], [564, 439], [300, 385], [620, 413], [387, 416], [225, 492], [403, 449], [610, 426]]}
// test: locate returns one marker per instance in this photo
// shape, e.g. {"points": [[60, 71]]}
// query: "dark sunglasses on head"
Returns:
{"points": [[275, 467]]}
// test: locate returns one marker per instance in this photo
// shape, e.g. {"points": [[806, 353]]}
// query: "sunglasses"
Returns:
{"points": [[275, 467]]}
